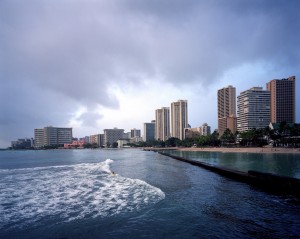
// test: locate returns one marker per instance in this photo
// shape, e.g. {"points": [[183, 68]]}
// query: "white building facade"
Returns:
{"points": [[52, 136], [253, 109]]}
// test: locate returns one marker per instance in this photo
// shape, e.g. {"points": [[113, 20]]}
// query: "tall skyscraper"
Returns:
{"points": [[149, 131], [179, 118], [283, 98], [227, 109], [162, 123], [253, 109]]}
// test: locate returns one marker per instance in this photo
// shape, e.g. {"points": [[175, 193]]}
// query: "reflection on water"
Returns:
{"points": [[281, 164]]}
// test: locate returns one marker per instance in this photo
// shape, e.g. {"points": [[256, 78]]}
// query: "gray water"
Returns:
{"points": [[72, 194]]}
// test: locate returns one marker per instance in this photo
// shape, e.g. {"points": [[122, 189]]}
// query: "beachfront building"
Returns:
{"points": [[52, 136], [38, 138], [227, 109], [283, 97], [135, 133], [123, 142], [205, 129], [253, 109], [22, 143], [179, 118], [75, 144], [192, 132], [162, 123], [86, 139], [127, 135], [97, 139], [149, 131], [112, 136]]}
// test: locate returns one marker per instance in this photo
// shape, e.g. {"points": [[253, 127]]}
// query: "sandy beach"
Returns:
{"points": [[244, 150]]}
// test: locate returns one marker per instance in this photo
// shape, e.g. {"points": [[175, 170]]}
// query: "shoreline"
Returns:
{"points": [[264, 150], [244, 150]]}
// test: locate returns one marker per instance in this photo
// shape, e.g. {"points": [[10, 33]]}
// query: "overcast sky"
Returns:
{"points": [[93, 65]]}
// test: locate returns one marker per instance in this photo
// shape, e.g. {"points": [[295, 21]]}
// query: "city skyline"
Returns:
{"points": [[97, 65], [254, 110], [229, 105]]}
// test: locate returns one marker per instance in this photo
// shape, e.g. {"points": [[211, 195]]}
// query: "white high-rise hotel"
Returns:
{"points": [[253, 109], [179, 118]]}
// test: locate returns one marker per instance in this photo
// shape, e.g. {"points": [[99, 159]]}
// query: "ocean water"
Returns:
{"points": [[73, 194], [280, 164]]}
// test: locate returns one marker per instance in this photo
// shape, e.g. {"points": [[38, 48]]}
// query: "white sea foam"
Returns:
{"points": [[69, 192]]}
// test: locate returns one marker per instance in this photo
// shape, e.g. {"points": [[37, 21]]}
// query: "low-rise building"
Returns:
{"points": [[22, 143], [75, 144]]}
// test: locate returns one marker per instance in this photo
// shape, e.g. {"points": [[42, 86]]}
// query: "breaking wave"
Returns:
{"points": [[69, 192]]}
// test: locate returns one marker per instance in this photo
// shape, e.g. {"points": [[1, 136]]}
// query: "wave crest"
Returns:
{"points": [[68, 193]]}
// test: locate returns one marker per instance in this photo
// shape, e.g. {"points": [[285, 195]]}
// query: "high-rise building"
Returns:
{"points": [[97, 139], [112, 136], [149, 131], [87, 139], [179, 118], [227, 109], [52, 136], [38, 138], [162, 123], [253, 109], [135, 133], [205, 128], [283, 97], [127, 135]]}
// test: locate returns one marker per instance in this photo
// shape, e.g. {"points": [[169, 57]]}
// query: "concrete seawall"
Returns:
{"points": [[266, 181]]}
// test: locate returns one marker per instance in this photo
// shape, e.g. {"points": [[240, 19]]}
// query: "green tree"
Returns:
{"points": [[227, 137], [173, 142]]}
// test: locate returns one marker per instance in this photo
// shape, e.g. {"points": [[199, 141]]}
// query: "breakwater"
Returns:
{"points": [[266, 181]]}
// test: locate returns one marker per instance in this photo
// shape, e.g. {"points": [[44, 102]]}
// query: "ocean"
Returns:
{"points": [[73, 194]]}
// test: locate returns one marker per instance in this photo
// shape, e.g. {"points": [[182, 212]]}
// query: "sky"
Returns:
{"points": [[95, 65]]}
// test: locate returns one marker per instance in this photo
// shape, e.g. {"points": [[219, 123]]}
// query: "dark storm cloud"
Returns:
{"points": [[56, 55], [200, 40]]}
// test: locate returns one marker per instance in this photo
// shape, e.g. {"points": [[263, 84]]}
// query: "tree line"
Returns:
{"points": [[286, 135]]}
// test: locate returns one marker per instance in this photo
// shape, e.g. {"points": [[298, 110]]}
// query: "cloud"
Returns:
{"points": [[58, 56]]}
